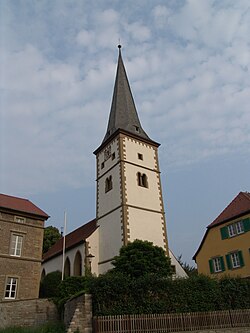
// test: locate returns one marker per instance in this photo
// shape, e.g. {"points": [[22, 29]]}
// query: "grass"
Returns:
{"points": [[47, 328]]}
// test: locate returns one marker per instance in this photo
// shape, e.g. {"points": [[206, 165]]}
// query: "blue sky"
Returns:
{"points": [[188, 66]]}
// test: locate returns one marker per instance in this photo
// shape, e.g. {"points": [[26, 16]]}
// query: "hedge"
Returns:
{"points": [[118, 294]]}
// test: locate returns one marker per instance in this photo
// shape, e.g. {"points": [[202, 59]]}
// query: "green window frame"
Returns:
{"points": [[246, 224], [216, 265], [236, 228], [235, 260]]}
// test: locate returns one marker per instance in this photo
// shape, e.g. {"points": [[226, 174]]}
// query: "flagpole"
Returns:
{"points": [[64, 235]]}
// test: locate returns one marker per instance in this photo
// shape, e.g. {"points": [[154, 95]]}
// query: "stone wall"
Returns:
{"points": [[28, 313], [26, 268], [78, 314]]}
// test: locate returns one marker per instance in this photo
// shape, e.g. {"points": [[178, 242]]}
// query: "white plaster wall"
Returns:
{"points": [[180, 273], [55, 264], [141, 196], [110, 162], [146, 225], [105, 267], [93, 243], [132, 148], [110, 235], [111, 199]]}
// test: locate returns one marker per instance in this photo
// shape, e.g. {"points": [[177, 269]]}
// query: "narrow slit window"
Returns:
{"points": [[137, 129]]}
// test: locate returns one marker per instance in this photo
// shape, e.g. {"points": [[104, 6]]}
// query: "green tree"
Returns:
{"points": [[49, 286], [141, 258], [51, 236], [190, 270]]}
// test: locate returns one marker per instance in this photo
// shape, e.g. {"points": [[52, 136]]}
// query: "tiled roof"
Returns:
{"points": [[21, 205], [123, 114], [239, 206], [72, 239]]}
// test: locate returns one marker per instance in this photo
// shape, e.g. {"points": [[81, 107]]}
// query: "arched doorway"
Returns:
{"points": [[67, 267], [78, 264], [43, 274]]}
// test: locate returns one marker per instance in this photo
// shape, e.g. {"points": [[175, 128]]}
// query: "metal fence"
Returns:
{"points": [[162, 323]]}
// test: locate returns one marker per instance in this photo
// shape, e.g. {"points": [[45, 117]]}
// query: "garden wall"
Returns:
{"points": [[28, 313], [78, 314]]}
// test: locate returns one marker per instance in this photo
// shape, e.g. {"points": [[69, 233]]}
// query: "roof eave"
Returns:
{"points": [[56, 254], [16, 211], [121, 131], [228, 219]]}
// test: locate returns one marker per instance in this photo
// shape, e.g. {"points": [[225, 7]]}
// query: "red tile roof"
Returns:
{"points": [[72, 239], [21, 205], [239, 206]]}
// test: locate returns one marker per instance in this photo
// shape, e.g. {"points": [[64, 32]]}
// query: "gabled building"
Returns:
{"points": [[78, 257], [225, 247], [21, 240], [129, 197]]}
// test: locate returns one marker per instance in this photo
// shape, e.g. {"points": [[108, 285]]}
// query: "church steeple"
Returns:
{"points": [[123, 114]]}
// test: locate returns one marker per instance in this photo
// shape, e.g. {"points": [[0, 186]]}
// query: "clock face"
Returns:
{"points": [[107, 153]]}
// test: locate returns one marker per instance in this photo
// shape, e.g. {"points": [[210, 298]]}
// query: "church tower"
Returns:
{"points": [[129, 195]]}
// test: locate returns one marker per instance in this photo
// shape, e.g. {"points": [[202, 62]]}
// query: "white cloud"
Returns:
{"points": [[187, 66]]}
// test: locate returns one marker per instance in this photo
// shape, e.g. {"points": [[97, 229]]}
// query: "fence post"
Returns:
{"points": [[230, 317]]}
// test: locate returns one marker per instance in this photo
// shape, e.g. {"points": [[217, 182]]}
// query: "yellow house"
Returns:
{"points": [[225, 247]]}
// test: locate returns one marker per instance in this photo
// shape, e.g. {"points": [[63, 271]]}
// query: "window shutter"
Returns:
{"points": [[224, 232], [246, 224], [222, 264], [241, 258], [229, 262], [211, 266]]}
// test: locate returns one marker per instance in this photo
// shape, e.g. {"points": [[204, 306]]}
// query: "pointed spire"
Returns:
{"points": [[123, 114]]}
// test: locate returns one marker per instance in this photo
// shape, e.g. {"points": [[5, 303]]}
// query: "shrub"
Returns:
{"points": [[49, 286], [118, 293]]}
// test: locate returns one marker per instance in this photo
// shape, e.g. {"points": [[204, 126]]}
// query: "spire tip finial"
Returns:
{"points": [[119, 46]]}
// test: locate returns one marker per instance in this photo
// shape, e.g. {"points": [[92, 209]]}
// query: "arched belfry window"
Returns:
{"points": [[142, 179], [78, 264], [67, 267], [108, 184]]}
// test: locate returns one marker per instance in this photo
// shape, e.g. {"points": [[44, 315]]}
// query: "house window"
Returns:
{"points": [[235, 260], [19, 219], [216, 265], [16, 245], [140, 156], [142, 179], [235, 229], [113, 156], [11, 288], [231, 230], [239, 227], [102, 165], [108, 184]]}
